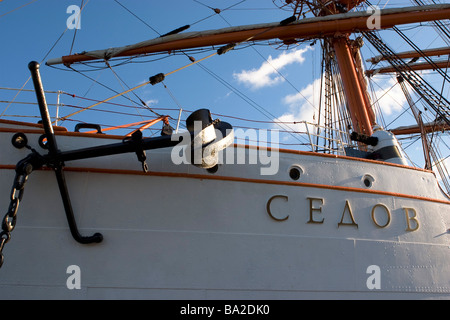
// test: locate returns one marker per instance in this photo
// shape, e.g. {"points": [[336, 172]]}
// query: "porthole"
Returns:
{"points": [[368, 181], [19, 140], [295, 172], [43, 142]]}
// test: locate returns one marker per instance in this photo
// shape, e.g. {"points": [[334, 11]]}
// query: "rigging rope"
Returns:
{"points": [[142, 102], [22, 6], [134, 88], [137, 17], [159, 78], [51, 49], [76, 29], [100, 102]]}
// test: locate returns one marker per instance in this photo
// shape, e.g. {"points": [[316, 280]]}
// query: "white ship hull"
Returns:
{"points": [[180, 232]]}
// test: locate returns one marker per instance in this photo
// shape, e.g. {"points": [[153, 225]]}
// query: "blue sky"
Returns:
{"points": [[34, 29], [31, 31]]}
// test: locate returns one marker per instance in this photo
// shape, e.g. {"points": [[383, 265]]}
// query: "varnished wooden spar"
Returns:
{"points": [[436, 52], [302, 29], [428, 127], [414, 66], [414, 54]]}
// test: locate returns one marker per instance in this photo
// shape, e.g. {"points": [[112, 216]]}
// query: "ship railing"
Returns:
{"points": [[326, 139]]}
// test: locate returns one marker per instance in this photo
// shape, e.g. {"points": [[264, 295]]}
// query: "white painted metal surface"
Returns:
{"points": [[180, 232]]}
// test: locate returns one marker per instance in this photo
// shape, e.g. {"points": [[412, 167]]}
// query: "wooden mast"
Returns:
{"points": [[350, 66], [358, 105]]}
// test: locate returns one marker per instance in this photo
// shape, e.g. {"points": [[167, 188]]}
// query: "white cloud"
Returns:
{"points": [[151, 102], [445, 163], [266, 74], [303, 106], [389, 94], [229, 93]]}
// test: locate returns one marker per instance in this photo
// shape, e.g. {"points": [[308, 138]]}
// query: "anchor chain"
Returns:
{"points": [[23, 169], [10, 219]]}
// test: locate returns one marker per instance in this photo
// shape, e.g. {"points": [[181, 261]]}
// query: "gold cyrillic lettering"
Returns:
{"points": [[388, 215], [270, 212], [347, 208], [413, 218], [312, 209]]}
